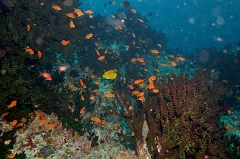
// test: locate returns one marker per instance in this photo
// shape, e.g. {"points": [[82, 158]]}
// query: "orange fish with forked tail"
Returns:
{"points": [[154, 51], [89, 11], [95, 119], [71, 15], [14, 122], [29, 50], [78, 12], [65, 42], [180, 59], [46, 75], [89, 36], [49, 127], [101, 58], [56, 7]]}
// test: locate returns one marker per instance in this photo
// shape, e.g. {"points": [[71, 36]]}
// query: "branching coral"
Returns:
{"points": [[182, 118]]}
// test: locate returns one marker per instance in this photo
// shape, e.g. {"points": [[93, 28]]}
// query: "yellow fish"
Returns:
{"points": [[111, 74]]}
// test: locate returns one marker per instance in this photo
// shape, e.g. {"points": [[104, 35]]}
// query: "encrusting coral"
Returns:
{"points": [[183, 117]]}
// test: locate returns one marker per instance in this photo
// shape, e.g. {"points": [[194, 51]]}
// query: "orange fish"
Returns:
{"points": [[90, 35], [20, 124], [70, 107], [135, 92], [49, 127], [14, 122], [81, 82], [139, 81], [12, 104], [180, 59], [96, 82], [152, 78], [115, 126], [150, 86], [98, 53], [63, 68], [154, 51], [133, 60], [71, 15], [142, 21], [104, 121], [58, 8], [42, 122], [78, 12], [29, 50], [89, 11], [142, 98], [97, 120], [133, 133], [229, 128], [109, 95], [95, 91], [106, 51], [65, 42], [141, 60], [28, 27], [72, 25], [163, 64], [130, 107], [229, 111], [119, 27], [39, 54], [12, 155], [173, 63], [82, 97], [133, 10], [140, 94], [4, 114], [46, 75], [155, 90], [82, 110], [101, 58], [75, 119]]}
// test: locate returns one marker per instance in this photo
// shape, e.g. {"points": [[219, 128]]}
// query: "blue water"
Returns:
{"points": [[188, 24]]}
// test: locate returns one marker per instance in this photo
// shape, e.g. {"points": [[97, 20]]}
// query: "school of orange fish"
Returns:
{"points": [[141, 84]]}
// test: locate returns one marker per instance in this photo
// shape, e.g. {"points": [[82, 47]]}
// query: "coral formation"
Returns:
{"points": [[182, 118], [44, 137]]}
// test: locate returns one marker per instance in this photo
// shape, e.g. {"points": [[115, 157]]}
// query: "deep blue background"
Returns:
{"points": [[189, 24]]}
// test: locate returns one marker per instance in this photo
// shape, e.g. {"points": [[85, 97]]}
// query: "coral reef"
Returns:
{"points": [[44, 137], [183, 117]]}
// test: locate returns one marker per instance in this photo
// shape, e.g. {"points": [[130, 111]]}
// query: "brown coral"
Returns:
{"points": [[183, 116]]}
